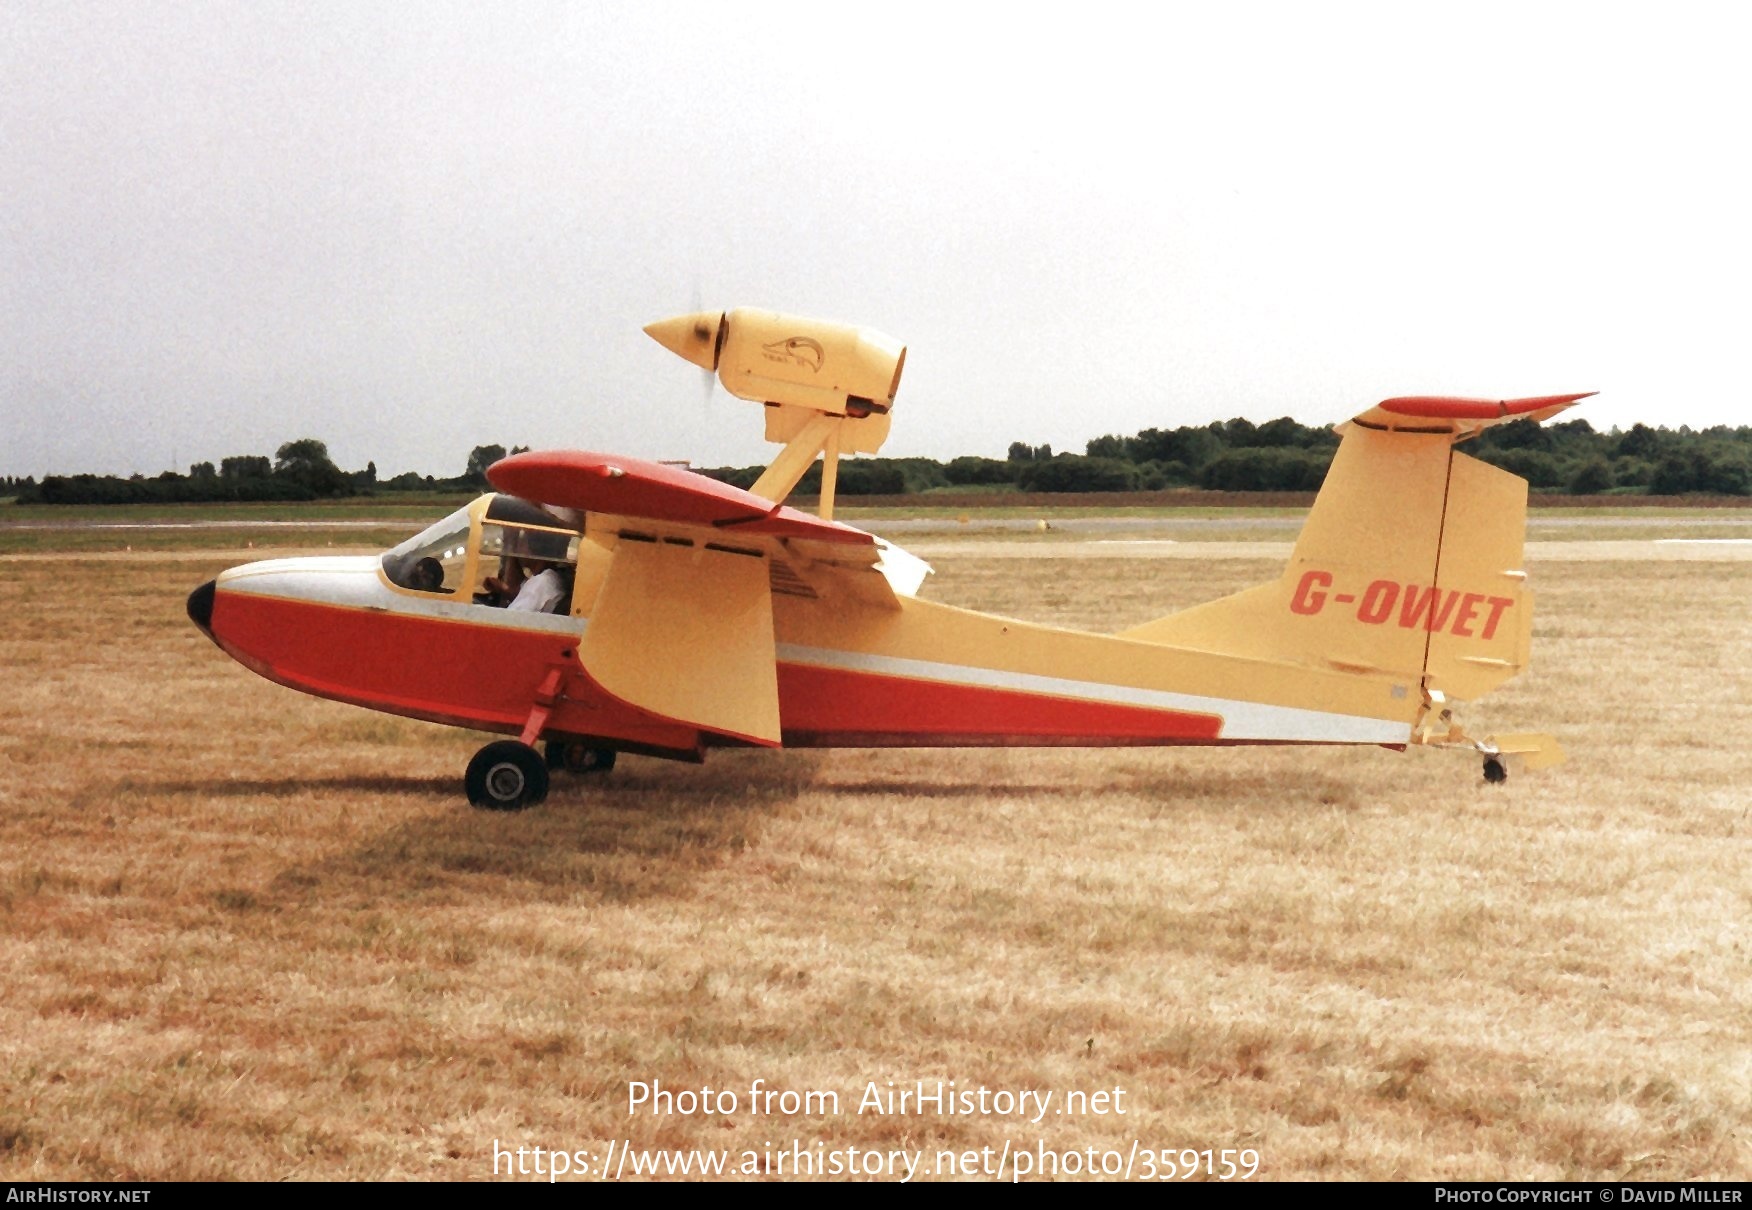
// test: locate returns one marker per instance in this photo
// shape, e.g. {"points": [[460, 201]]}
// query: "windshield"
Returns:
{"points": [[433, 560]]}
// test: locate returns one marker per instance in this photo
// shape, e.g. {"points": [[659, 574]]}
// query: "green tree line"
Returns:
{"points": [[1230, 455], [299, 470], [1285, 456]]}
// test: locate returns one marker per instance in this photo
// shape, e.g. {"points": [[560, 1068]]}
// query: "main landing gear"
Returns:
{"points": [[508, 775], [1495, 771]]}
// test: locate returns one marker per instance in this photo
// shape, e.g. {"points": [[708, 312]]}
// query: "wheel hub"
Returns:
{"points": [[505, 781]]}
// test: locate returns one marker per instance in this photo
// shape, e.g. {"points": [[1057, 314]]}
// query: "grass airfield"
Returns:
{"points": [[252, 934]]}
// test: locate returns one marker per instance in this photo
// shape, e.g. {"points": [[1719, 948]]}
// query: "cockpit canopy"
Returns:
{"points": [[455, 556]]}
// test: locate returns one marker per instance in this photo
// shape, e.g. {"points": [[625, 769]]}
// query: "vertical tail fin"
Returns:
{"points": [[1409, 565]]}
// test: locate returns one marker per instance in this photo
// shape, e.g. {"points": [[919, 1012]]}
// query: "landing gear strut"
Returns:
{"points": [[576, 756], [506, 776]]}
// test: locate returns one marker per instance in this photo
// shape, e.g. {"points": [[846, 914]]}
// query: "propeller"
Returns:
{"points": [[707, 378]]}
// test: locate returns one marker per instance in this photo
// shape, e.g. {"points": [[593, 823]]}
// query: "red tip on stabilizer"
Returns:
{"points": [[1441, 407]]}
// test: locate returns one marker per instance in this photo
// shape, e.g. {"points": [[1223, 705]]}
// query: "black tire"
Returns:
{"points": [[506, 776], [1494, 771], [575, 756]]}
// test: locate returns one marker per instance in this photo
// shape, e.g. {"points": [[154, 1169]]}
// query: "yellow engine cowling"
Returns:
{"points": [[829, 368]]}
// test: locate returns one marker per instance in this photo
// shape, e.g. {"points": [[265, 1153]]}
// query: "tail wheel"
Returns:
{"points": [[575, 756], [506, 776]]}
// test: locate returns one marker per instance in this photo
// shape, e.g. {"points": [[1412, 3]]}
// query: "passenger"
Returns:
{"points": [[426, 576]]}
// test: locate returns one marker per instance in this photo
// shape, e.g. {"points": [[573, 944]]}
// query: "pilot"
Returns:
{"points": [[503, 588], [543, 589]]}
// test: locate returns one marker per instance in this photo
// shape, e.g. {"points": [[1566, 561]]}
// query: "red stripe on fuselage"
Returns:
{"points": [[861, 708]]}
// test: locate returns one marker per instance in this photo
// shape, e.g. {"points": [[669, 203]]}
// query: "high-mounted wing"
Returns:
{"points": [[682, 625], [633, 487], [636, 499]]}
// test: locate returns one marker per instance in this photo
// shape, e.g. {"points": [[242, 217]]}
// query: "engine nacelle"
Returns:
{"points": [[831, 368]]}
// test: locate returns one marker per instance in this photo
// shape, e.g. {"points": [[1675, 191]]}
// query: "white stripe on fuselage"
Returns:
{"points": [[356, 582]]}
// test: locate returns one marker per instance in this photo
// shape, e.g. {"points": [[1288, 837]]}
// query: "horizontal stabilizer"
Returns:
{"points": [[1460, 417]]}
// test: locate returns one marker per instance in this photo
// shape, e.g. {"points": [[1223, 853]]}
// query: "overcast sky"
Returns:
{"points": [[410, 229]]}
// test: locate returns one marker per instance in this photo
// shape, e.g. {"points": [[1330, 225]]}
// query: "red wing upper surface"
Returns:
{"points": [[634, 487]]}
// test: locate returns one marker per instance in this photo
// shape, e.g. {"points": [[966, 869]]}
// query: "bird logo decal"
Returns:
{"points": [[802, 350]]}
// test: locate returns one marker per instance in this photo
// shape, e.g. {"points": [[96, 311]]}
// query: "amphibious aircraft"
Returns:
{"points": [[680, 614]]}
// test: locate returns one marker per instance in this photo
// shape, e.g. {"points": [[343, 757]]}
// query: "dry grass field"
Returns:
{"points": [[246, 933]]}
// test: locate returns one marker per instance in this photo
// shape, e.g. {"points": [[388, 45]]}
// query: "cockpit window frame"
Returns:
{"points": [[495, 508], [514, 510]]}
